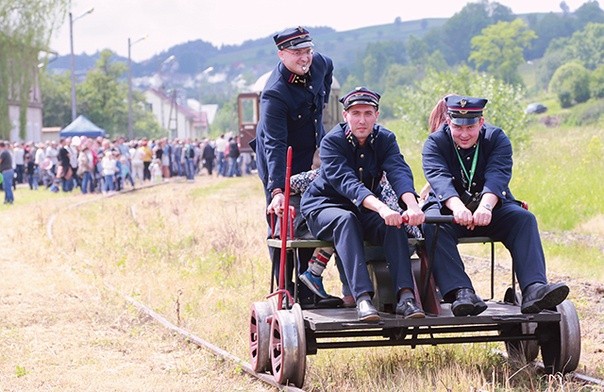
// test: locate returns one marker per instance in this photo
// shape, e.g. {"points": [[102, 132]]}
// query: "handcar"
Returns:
{"points": [[282, 334]]}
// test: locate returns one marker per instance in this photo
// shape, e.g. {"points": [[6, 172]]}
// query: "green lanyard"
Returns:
{"points": [[473, 169]]}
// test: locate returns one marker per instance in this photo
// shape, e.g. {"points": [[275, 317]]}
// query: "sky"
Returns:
{"points": [[155, 25]]}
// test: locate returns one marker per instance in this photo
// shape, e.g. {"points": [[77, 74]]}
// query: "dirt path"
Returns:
{"points": [[60, 333]]}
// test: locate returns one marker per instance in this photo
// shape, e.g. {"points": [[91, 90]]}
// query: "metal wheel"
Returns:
{"points": [[561, 345], [300, 371], [520, 351], [288, 356], [512, 296], [260, 336]]}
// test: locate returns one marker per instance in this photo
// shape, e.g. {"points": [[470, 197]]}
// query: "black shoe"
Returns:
{"points": [[407, 308], [467, 303], [543, 296], [366, 311]]}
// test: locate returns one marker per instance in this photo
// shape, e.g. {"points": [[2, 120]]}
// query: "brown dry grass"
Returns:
{"points": [[195, 253], [62, 330]]}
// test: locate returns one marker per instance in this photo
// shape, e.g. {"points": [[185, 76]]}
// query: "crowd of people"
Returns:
{"points": [[102, 165]]}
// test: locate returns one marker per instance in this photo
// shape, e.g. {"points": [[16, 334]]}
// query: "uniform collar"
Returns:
{"points": [[293, 78], [354, 141]]}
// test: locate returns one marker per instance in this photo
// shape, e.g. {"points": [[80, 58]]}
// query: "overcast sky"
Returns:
{"points": [[166, 23]]}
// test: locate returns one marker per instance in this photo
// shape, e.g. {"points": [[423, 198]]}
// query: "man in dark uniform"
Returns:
{"points": [[468, 164], [341, 205], [291, 111]]}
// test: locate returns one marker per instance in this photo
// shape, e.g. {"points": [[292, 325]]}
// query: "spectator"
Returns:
{"points": [[8, 173], [208, 156], [234, 168]]}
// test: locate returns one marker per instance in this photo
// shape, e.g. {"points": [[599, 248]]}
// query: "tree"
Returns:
{"points": [[571, 84], [498, 49], [547, 28], [378, 57], [226, 119], [583, 46], [453, 39], [596, 85], [586, 46], [25, 29], [57, 99], [414, 104], [103, 99], [589, 12]]}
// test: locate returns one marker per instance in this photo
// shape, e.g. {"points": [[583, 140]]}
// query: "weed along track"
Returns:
{"points": [[188, 304], [186, 335], [266, 378]]}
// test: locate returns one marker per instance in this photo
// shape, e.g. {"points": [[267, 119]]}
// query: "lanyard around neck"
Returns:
{"points": [[469, 176]]}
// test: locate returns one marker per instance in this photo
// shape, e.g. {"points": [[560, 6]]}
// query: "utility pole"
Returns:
{"points": [[130, 44], [73, 82]]}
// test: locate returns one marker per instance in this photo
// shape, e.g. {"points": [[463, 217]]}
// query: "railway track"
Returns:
{"points": [[245, 366]]}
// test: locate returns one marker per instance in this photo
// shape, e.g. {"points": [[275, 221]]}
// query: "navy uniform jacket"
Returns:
{"points": [[291, 114], [445, 175], [349, 173]]}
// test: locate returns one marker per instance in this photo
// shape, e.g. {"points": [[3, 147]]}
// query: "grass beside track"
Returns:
{"points": [[195, 253]]}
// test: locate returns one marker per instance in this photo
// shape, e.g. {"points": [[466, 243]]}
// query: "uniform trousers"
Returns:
{"points": [[511, 224], [348, 231]]}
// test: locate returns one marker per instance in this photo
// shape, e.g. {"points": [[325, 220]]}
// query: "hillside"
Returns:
{"points": [[258, 56]]}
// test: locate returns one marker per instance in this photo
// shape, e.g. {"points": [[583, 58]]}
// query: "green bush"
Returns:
{"points": [[588, 113], [570, 83], [596, 84], [413, 105]]}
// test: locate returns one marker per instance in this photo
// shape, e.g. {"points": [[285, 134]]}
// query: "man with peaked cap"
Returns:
{"points": [[341, 205], [468, 164], [291, 114]]}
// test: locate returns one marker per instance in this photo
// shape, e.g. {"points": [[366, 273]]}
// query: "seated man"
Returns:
{"points": [[341, 205], [312, 277], [468, 165]]}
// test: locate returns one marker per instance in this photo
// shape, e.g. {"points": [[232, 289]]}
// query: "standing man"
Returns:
{"points": [[18, 156], [6, 168], [221, 144], [341, 205], [468, 164], [291, 114], [208, 156]]}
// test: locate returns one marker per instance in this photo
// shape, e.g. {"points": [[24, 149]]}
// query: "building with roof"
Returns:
{"points": [[178, 119], [33, 114]]}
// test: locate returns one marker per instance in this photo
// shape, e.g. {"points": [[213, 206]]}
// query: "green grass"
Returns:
{"points": [[557, 175], [23, 195]]}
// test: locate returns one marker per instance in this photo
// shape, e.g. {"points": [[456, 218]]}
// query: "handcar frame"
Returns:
{"points": [[281, 337]]}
